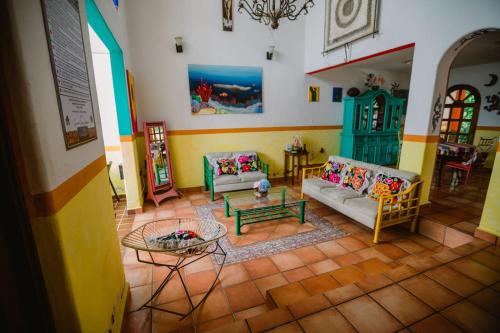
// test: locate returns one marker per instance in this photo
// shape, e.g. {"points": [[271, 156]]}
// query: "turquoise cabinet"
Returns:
{"points": [[371, 126]]}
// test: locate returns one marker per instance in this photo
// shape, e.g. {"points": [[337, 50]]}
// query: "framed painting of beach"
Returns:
{"points": [[225, 89]]}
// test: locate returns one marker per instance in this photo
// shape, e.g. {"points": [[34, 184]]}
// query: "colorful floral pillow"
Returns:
{"points": [[333, 172], [387, 185], [356, 178], [247, 163], [225, 166]]}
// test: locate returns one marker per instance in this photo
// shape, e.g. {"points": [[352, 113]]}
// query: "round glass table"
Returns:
{"points": [[187, 239]]}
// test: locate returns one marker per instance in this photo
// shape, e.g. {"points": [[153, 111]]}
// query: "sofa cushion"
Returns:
{"points": [[339, 194], [252, 176], [408, 175], [247, 162], [211, 157], [356, 178], [333, 171], [387, 185], [226, 179], [363, 205], [316, 184], [225, 166]]}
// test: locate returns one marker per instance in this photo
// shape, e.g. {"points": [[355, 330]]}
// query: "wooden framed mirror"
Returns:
{"points": [[161, 184]]}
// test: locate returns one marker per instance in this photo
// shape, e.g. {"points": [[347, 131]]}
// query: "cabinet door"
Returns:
{"points": [[371, 154], [383, 154], [393, 153], [359, 152]]}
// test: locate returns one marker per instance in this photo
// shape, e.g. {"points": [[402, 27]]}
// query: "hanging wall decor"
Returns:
{"points": [[227, 15], [494, 103], [225, 89], [493, 80], [313, 94], [69, 68], [337, 94], [131, 99], [349, 20]]}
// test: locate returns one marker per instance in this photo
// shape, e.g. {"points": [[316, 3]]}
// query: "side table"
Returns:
{"points": [[145, 240], [296, 158]]}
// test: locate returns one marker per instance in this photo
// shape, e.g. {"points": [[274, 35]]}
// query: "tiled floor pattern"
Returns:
{"points": [[243, 287], [458, 207]]}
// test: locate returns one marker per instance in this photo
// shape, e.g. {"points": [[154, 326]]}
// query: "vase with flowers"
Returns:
{"points": [[261, 188]]}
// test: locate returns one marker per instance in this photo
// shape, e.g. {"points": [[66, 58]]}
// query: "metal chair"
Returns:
{"points": [[484, 147]]}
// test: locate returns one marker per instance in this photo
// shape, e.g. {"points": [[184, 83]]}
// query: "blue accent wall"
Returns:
{"points": [[97, 22]]}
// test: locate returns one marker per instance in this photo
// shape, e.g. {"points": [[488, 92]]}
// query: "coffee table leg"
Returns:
{"points": [[237, 220], [226, 205], [302, 208]]}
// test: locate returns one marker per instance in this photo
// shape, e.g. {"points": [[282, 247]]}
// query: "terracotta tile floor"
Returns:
{"points": [[466, 200], [392, 284]]}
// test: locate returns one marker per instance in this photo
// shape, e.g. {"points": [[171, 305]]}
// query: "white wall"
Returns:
{"points": [[432, 25], [55, 164], [105, 92], [477, 76], [161, 74]]}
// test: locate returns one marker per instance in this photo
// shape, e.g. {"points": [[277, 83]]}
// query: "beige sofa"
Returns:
{"points": [[358, 206], [225, 183]]}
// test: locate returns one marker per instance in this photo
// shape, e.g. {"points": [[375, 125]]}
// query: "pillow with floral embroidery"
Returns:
{"points": [[356, 178], [333, 172], [247, 163], [225, 166], [386, 185]]}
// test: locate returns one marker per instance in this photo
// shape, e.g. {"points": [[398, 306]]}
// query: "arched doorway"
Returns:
{"points": [[460, 114], [459, 120]]}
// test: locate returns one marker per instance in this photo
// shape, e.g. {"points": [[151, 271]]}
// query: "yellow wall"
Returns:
{"points": [[488, 133], [490, 218], [187, 150], [80, 256], [419, 157], [131, 172]]}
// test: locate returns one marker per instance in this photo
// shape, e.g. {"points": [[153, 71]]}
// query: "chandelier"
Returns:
{"points": [[271, 11]]}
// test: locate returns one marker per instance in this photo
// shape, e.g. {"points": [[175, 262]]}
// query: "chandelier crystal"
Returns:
{"points": [[270, 12]]}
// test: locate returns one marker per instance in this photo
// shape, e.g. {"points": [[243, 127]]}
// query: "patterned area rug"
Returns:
{"points": [[268, 238]]}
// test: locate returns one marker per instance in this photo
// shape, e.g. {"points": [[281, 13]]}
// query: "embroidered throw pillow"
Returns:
{"points": [[387, 185], [247, 163], [333, 172], [356, 178], [226, 166]]}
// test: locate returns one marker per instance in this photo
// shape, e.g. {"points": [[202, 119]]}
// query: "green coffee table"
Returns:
{"points": [[247, 209]]}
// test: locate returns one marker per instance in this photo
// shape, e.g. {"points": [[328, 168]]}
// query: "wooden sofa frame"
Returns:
{"points": [[405, 209], [208, 171]]}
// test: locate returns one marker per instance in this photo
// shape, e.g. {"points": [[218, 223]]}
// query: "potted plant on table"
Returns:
{"points": [[261, 187]]}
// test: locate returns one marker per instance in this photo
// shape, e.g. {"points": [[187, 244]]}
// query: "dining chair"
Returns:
{"points": [[484, 147], [464, 166]]}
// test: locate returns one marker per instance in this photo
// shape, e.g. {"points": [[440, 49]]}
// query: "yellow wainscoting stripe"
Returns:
{"points": [[112, 148], [127, 138], [248, 129], [421, 138], [49, 203]]}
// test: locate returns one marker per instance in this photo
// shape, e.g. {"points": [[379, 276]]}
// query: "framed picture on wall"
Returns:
{"points": [[131, 99], [337, 94], [313, 94], [349, 20]]}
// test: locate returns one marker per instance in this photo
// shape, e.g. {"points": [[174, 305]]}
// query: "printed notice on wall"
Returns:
{"points": [[69, 66]]}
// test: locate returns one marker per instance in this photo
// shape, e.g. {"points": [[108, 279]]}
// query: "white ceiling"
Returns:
{"points": [[483, 50]]}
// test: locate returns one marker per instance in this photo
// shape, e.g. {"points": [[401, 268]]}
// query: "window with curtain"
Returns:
{"points": [[460, 114]]}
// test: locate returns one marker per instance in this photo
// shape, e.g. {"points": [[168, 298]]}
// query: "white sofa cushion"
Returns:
{"points": [[252, 176], [316, 184], [339, 194], [226, 179]]}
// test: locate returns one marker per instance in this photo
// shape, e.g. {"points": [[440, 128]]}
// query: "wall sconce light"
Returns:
{"points": [[178, 44], [270, 51]]}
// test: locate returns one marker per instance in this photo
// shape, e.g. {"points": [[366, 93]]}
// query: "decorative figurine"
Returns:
{"points": [[261, 187]]}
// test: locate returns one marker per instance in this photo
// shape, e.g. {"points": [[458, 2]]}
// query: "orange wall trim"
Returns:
{"points": [[127, 138], [248, 130], [112, 148], [421, 138], [51, 202], [488, 128]]}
